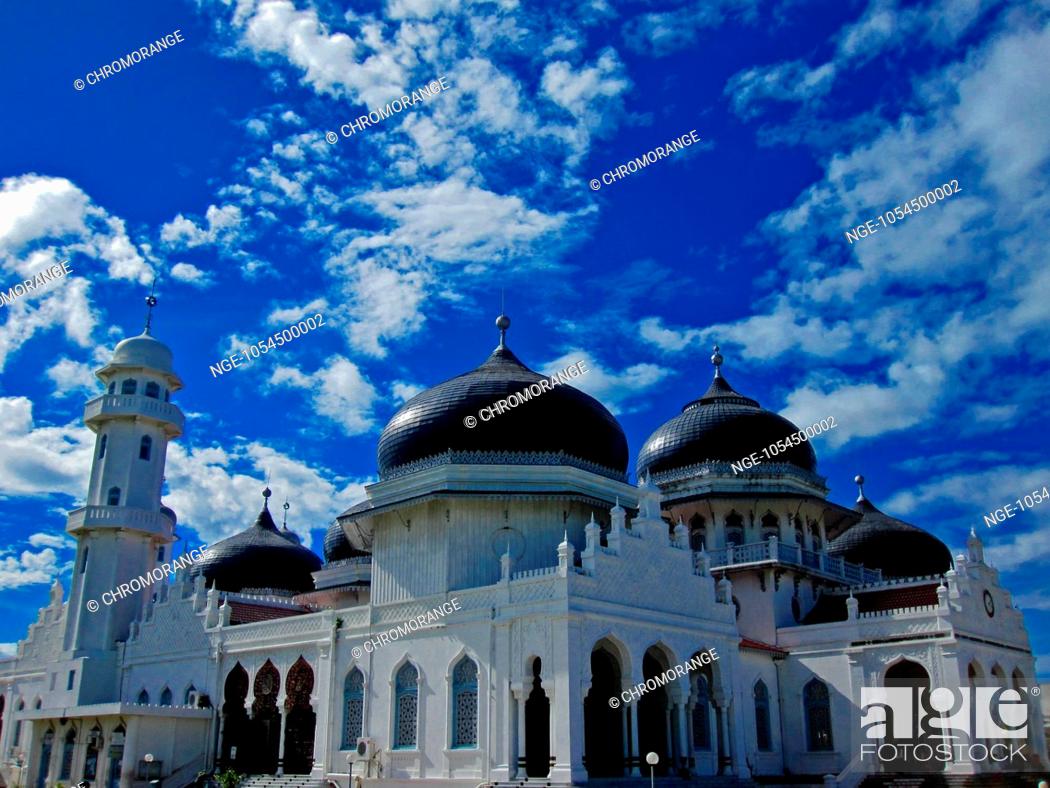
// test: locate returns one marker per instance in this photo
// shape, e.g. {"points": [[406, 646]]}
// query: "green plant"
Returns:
{"points": [[229, 779]]}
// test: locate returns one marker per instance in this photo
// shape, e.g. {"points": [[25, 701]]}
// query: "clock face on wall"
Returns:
{"points": [[989, 604]]}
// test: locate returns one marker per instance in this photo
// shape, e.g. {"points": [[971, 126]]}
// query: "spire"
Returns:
{"points": [[859, 481], [717, 360], [266, 498], [151, 301], [286, 507]]}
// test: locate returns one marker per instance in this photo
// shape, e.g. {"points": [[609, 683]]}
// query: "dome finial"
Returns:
{"points": [[716, 359], [286, 507], [859, 480], [151, 301], [267, 492], [502, 323]]}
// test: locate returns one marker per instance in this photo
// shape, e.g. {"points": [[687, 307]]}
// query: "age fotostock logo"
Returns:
{"points": [[917, 724]]}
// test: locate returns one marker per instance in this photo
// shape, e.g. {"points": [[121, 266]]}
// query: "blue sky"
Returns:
{"points": [[206, 166]]}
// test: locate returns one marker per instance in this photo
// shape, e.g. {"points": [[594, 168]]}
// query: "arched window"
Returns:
{"points": [[145, 447], [165, 697], [818, 716], [129, 386], [190, 696], [799, 536], [697, 532], [353, 707], [113, 497], [94, 742], [465, 704], [769, 526], [734, 529], [763, 735], [152, 390], [701, 713], [18, 724], [83, 561], [102, 446], [143, 697], [66, 767], [407, 705], [112, 387]]}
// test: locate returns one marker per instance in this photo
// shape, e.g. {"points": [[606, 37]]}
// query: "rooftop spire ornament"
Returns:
{"points": [[151, 301], [266, 498], [859, 481], [717, 360], [502, 323]]}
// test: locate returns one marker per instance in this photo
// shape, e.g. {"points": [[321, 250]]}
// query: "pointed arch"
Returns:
{"points": [[734, 525], [353, 707], [406, 706], [302, 720], [143, 697], [763, 728], [165, 696], [817, 706], [69, 744], [770, 525], [189, 695], [465, 703]]}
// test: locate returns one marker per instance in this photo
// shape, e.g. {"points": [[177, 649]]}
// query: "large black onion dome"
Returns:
{"points": [[259, 557], [562, 419], [720, 426], [336, 545], [898, 548]]}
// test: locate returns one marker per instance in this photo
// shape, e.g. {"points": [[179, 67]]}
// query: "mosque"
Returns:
{"points": [[564, 585]]}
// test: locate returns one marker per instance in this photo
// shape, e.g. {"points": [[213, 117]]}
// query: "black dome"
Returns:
{"points": [[562, 419], [336, 545], [720, 426], [897, 548], [259, 557]]}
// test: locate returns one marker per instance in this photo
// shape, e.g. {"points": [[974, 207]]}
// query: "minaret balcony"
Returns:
{"points": [[773, 551], [116, 405], [117, 517]]}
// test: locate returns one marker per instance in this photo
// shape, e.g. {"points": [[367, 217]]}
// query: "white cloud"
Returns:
{"points": [[338, 390], [218, 491], [192, 275], [41, 460], [402, 392], [44, 220], [29, 568], [586, 93], [662, 32], [225, 227], [73, 377], [293, 314], [618, 391], [56, 541]]}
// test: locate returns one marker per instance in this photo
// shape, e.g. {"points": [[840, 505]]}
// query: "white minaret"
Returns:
{"points": [[123, 531]]}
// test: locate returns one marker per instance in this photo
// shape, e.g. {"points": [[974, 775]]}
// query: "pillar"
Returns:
{"points": [[323, 723], [684, 743], [633, 761], [517, 763], [566, 705], [128, 763], [284, 723]]}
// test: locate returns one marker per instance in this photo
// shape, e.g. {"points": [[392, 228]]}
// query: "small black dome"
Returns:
{"points": [[259, 557], [898, 548], [720, 426], [562, 419], [336, 545]]}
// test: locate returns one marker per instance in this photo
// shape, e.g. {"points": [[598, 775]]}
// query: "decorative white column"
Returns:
{"points": [[634, 762], [323, 723], [284, 721], [517, 761], [684, 743], [128, 762]]}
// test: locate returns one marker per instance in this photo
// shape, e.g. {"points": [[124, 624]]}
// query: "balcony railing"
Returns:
{"points": [[133, 405], [792, 554], [119, 517]]}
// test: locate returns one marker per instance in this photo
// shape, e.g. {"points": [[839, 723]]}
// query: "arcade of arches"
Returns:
{"points": [[690, 734], [269, 741]]}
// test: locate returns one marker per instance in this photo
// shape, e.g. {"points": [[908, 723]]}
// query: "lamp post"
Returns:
{"points": [[652, 759]]}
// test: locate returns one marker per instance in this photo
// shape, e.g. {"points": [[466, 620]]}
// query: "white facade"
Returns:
{"points": [[598, 595]]}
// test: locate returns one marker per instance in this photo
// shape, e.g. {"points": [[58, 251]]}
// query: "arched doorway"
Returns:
{"points": [[537, 727], [45, 758], [299, 728], [603, 726], [235, 731], [654, 713], [910, 674], [94, 741], [266, 722]]}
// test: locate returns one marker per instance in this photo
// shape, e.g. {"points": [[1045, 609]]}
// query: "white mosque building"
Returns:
{"points": [[567, 585]]}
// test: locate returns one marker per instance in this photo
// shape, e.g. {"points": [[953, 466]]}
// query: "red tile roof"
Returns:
{"points": [[244, 613], [758, 645]]}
